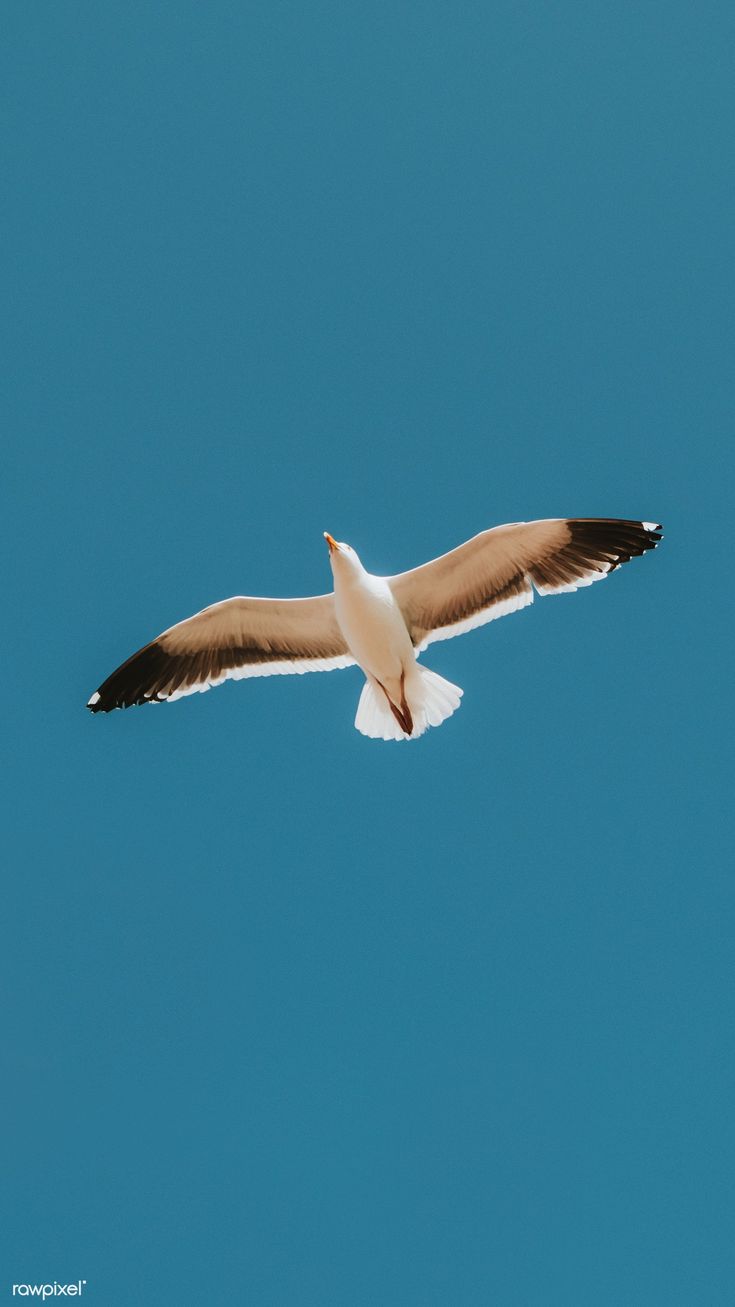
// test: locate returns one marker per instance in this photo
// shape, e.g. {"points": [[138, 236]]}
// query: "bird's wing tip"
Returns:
{"points": [[653, 528]]}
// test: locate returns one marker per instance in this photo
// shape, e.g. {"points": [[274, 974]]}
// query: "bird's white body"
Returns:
{"points": [[400, 699], [372, 624]]}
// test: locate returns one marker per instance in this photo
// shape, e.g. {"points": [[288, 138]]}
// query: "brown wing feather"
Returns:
{"points": [[496, 572], [237, 638]]}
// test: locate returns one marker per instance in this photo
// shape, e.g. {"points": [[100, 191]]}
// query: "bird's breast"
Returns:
{"points": [[373, 627]]}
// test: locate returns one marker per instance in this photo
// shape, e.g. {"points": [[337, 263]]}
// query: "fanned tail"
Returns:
{"points": [[431, 699]]}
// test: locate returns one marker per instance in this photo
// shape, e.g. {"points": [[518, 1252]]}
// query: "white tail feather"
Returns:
{"points": [[374, 717], [438, 699], [431, 699]]}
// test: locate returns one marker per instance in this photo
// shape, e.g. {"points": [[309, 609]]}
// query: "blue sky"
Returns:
{"points": [[290, 1016]]}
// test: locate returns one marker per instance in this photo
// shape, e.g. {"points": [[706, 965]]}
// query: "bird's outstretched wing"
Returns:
{"points": [[227, 641], [495, 573]]}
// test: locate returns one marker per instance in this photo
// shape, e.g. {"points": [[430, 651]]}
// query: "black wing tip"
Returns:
{"points": [[651, 534], [131, 683], [654, 531], [625, 536], [98, 704]]}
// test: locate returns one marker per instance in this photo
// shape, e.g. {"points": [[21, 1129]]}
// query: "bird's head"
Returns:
{"points": [[342, 556]]}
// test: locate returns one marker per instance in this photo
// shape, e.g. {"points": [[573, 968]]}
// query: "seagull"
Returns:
{"points": [[380, 623]]}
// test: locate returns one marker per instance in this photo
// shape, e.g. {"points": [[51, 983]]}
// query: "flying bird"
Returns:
{"points": [[380, 623]]}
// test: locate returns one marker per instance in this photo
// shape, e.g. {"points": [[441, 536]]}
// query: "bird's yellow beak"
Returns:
{"points": [[331, 542]]}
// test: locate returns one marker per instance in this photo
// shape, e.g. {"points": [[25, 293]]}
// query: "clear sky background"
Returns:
{"points": [[292, 1017]]}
